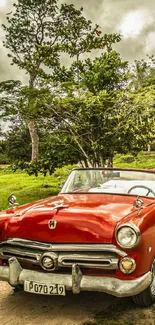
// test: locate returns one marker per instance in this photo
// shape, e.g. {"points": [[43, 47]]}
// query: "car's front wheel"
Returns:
{"points": [[147, 297]]}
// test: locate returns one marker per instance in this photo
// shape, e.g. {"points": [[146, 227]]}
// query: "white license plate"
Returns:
{"points": [[44, 289]]}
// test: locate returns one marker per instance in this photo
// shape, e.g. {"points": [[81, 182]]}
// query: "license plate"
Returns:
{"points": [[44, 289]]}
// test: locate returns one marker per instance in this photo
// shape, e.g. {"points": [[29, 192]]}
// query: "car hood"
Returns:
{"points": [[80, 218]]}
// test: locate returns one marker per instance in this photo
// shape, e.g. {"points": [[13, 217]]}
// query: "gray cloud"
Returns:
{"points": [[109, 14], [7, 71]]}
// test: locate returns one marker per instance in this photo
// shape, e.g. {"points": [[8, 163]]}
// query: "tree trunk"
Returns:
{"points": [[34, 140]]}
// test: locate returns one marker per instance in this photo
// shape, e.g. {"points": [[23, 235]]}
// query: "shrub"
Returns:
{"points": [[4, 160]]}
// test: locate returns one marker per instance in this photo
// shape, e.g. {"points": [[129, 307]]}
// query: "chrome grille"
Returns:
{"points": [[99, 256]]}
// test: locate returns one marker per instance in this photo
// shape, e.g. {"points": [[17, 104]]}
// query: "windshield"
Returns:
{"points": [[129, 182]]}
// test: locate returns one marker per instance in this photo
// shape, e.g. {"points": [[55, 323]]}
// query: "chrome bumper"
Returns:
{"points": [[14, 274]]}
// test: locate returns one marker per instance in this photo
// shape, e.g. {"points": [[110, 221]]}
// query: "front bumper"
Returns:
{"points": [[15, 274]]}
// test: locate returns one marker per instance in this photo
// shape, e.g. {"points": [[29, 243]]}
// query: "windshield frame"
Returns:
{"points": [[110, 169]]}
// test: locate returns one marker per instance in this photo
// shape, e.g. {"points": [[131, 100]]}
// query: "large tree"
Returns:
{"points": [[37, 32], [88, 108]]}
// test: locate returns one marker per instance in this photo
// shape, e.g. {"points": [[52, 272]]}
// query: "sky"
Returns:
{"points": [[133, 19]]}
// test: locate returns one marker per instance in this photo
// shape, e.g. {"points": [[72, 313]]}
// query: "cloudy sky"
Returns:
{"points": [[134, 19]]}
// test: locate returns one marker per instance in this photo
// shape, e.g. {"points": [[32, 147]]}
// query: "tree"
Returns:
{"points": [[91, 120], [37, 32], [143, 94], [103, 121], [88, 109]]}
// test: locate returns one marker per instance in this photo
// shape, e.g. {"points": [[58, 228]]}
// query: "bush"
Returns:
{"points": [[128, 158], [4, 160]]}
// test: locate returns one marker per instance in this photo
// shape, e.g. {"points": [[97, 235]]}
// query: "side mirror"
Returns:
{"points": [[12, 200]]}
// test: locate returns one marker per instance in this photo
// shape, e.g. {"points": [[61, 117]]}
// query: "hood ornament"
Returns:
{"points": [[12, 200], [60, 205], [138, 203], [52, 224]]}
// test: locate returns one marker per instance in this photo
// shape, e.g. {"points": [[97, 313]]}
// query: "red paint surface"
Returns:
{"points": [[89, 218]]}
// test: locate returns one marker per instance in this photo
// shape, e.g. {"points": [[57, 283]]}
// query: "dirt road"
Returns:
{"points": [[22, 308]]}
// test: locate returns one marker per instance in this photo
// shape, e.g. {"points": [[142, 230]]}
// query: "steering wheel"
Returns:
{"points": [[142, 186]]}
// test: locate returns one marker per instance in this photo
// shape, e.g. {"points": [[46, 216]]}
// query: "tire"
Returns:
{"points": [[147, 297], [18, 288]]}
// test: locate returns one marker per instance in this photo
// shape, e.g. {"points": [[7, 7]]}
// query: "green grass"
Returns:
{"points": [[29, 188], [142, 160]]}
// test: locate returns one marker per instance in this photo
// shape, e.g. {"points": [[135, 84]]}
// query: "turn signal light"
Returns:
{"points": [[127, 265]]}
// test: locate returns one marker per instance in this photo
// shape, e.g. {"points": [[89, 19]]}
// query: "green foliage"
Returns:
{"points": [[9, 91], [56, 151], [18, 143], [35, 167], [105, 72], [100, 124], [143, 73], [59, 149], [4, 159]]}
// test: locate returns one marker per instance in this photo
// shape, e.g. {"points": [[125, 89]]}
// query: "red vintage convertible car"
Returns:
{"points": [[97, 234]]}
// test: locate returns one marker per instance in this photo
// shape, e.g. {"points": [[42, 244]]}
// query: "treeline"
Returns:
{"points": [[84, 111]]}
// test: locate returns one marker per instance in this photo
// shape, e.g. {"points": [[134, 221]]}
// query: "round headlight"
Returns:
{"points": [[128, 236]]}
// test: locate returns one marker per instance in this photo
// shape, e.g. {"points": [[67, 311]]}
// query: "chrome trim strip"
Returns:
{"points": [[64, 246], [89, 261], [34, 260], [7, 252], [14, 274]]}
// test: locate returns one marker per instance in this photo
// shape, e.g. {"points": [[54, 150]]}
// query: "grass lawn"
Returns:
{"points": [[141, 160], [29, 188]]}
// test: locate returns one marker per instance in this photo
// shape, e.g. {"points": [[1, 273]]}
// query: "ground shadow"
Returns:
{"points": [[123, 312]]}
